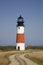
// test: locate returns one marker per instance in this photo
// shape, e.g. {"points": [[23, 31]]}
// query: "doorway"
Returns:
{"points": [[18, 48]]}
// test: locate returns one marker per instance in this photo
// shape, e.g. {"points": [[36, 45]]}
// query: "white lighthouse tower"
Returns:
{"points": [[20, 41]]}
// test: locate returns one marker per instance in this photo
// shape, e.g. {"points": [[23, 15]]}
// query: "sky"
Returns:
{"points": [[31, 11]]}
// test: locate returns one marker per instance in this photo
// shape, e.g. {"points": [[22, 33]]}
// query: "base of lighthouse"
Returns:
{"points": [[20, 46]]}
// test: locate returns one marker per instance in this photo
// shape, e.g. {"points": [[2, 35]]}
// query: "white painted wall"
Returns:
{"points": [[21, 45], [20, 29]]}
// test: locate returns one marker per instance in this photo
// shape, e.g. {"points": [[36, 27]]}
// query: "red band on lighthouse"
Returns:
{"points": [[20, 38]]}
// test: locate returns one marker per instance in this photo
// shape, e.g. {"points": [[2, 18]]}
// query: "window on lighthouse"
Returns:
{"points": [[20, 20], [19, 27]]}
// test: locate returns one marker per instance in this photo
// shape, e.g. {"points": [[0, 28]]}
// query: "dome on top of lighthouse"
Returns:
{"points": [[20, 19]]}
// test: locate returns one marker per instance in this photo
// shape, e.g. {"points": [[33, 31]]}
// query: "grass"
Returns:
{"points": [[34, 47], [37, 56], [4, 60], [7, 48], [37, 60], [6, 57]]}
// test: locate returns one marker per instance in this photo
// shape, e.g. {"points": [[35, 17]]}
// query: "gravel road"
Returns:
{"points": [[13, 60], [19, 59]]}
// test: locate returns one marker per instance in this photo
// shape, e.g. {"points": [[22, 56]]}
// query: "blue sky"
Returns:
{"points": [[31, 10]]}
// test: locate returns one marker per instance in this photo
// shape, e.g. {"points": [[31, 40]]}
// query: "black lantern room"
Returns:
{"points": [[20, 21]]}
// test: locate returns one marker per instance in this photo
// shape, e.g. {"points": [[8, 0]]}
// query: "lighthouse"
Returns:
{"points": [[20, 39]]}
